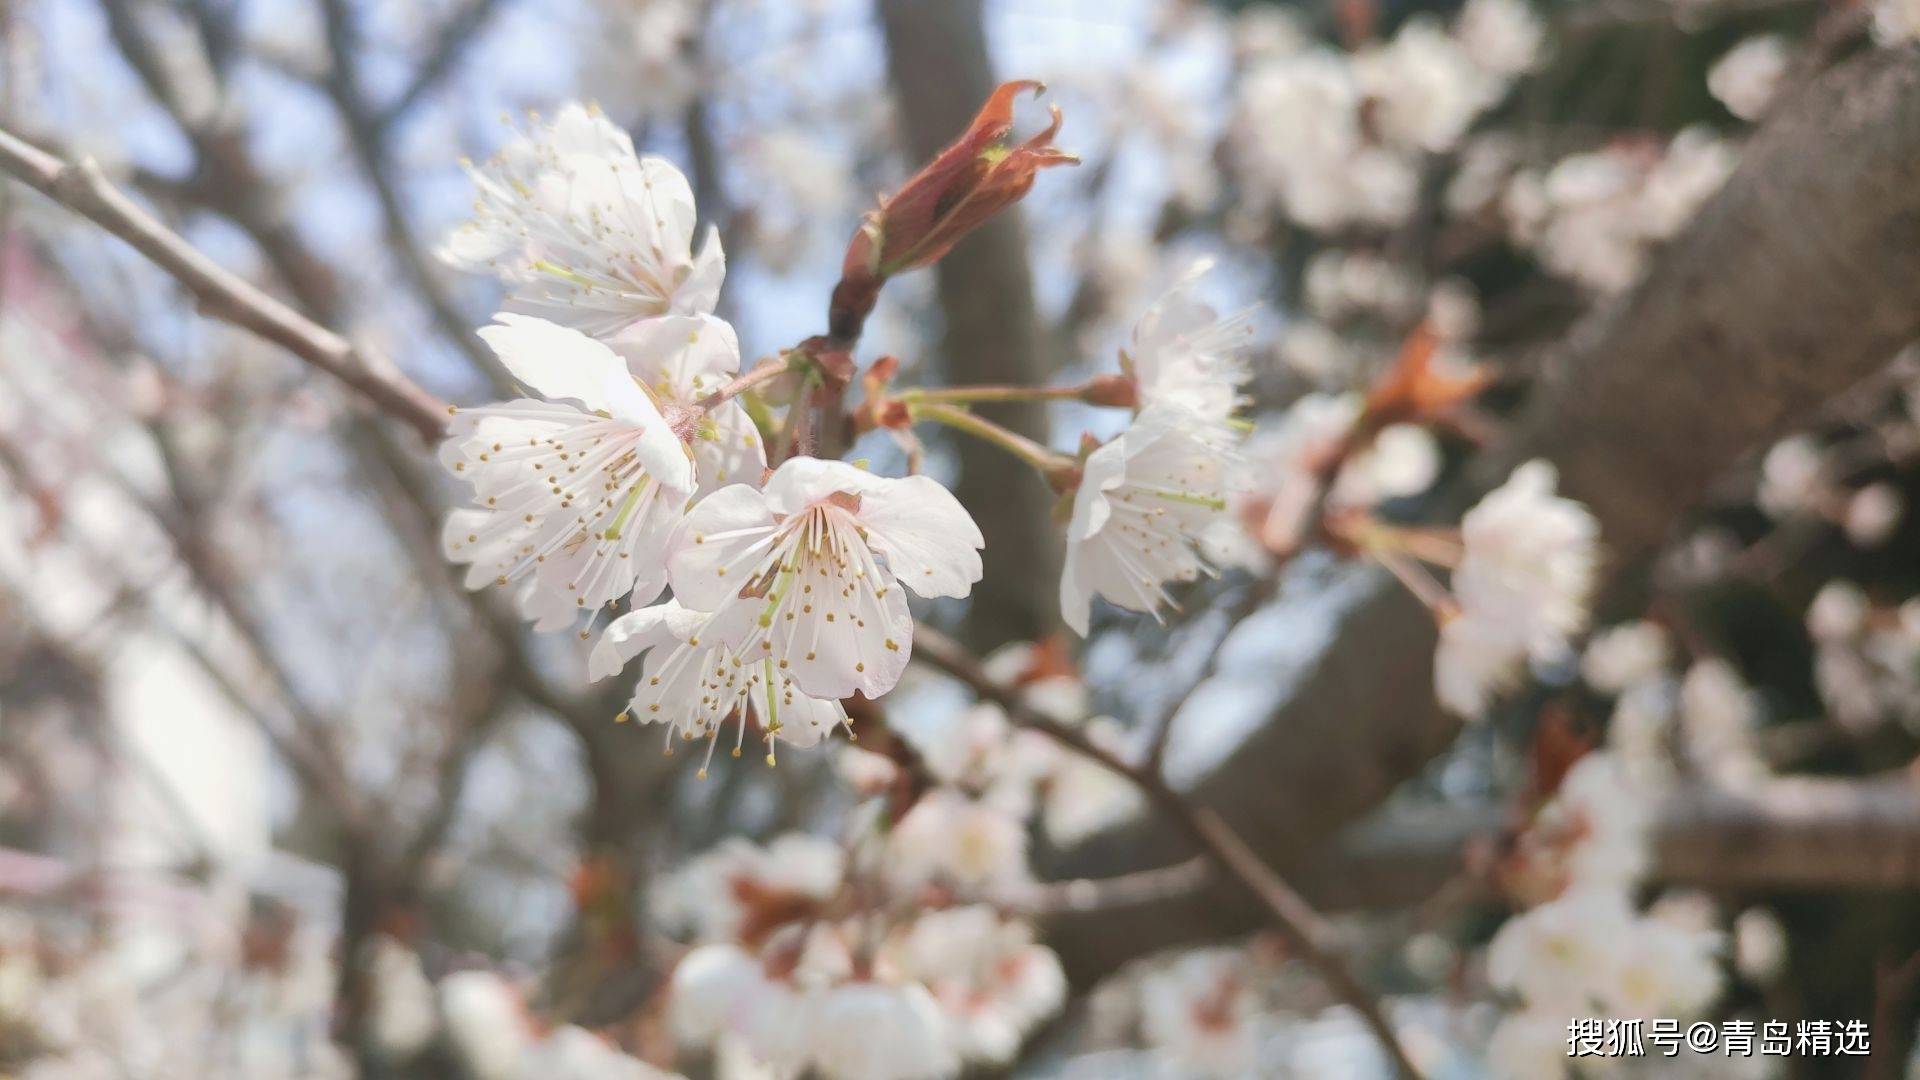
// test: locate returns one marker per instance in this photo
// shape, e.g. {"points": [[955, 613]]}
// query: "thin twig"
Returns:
{"points": [[223, 295], [449, 47]]}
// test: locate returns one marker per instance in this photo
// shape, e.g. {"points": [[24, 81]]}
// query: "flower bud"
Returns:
{"points": [[976, 177]]}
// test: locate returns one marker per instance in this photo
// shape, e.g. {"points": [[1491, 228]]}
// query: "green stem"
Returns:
{"points": [[1041, 458], [959, 395]]}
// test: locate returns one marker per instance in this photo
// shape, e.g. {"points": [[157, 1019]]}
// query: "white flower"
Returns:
{"points": [[1475, 662], [1500, 36], [1341, 284], [1792, 477], [1624, 656], [714, 896], [1560, 954], [1759, 946], [1402, 460], [1278, 473], [806, 574], [698, 674], [1718, 717], [403, 1016], [1528, 1046], [1839, 612], [1299, 144], [1606, 819], [1200, 1012], [1596, 216], [577, 496], [1896, 22], [1640, 732], [949, 838], [992, 982], [1873, 514], [1530, 558], [866, 1031], [1083, 797], [1656, 968], [485, 1023], [720, 990], [585, 232], [1184, 352], [659, 37], [1746, 79], [1423, 88], [1695, 165], [1145, 500], [1522, 585]]}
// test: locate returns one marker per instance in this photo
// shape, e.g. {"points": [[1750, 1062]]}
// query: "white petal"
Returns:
{"points": [[716, 548], [800, 482], [732, 452], [682, 356], [1076, 597], [930, 542], [637, 631], [698, 294], [554, 360], [843, 629]]}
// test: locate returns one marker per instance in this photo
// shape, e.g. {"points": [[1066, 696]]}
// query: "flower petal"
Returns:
{"points": [[637, 631], [553, 360], [716, 548], [681, 356], [929, 540]]}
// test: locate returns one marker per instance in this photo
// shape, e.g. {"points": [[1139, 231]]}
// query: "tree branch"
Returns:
{"points": [[220, 293], [1303, 927]]}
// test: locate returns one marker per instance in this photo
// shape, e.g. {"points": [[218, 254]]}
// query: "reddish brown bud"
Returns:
{"points": [[1113, 391], [1414, 391], [979, 175]]}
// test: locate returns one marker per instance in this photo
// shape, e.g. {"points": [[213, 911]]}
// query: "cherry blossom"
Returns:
{"points": [[698, 675], [1896, 22], [1747, 77], [807, 573], [1145, 501], [587, 233], [1182, 351], [952, 839], [1623, 656], [1202, 1013], [866, 1030], [1522, 587], [576, 495]]}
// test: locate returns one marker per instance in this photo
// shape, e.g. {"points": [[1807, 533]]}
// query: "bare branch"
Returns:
{"points": [[221, 294]]}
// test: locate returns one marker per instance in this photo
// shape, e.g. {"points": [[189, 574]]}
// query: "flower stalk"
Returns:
{"points": [[1048, 462]]}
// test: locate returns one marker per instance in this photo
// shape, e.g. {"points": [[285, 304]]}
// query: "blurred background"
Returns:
{"points": [[266, 770]]}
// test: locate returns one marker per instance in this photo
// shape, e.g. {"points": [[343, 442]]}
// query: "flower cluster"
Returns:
{"points": [[808, 956], [1147, 498], [635, 469], [1334, 139], [1520, 590], [1585, 950], [480, 1019], [1596, 217]]}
